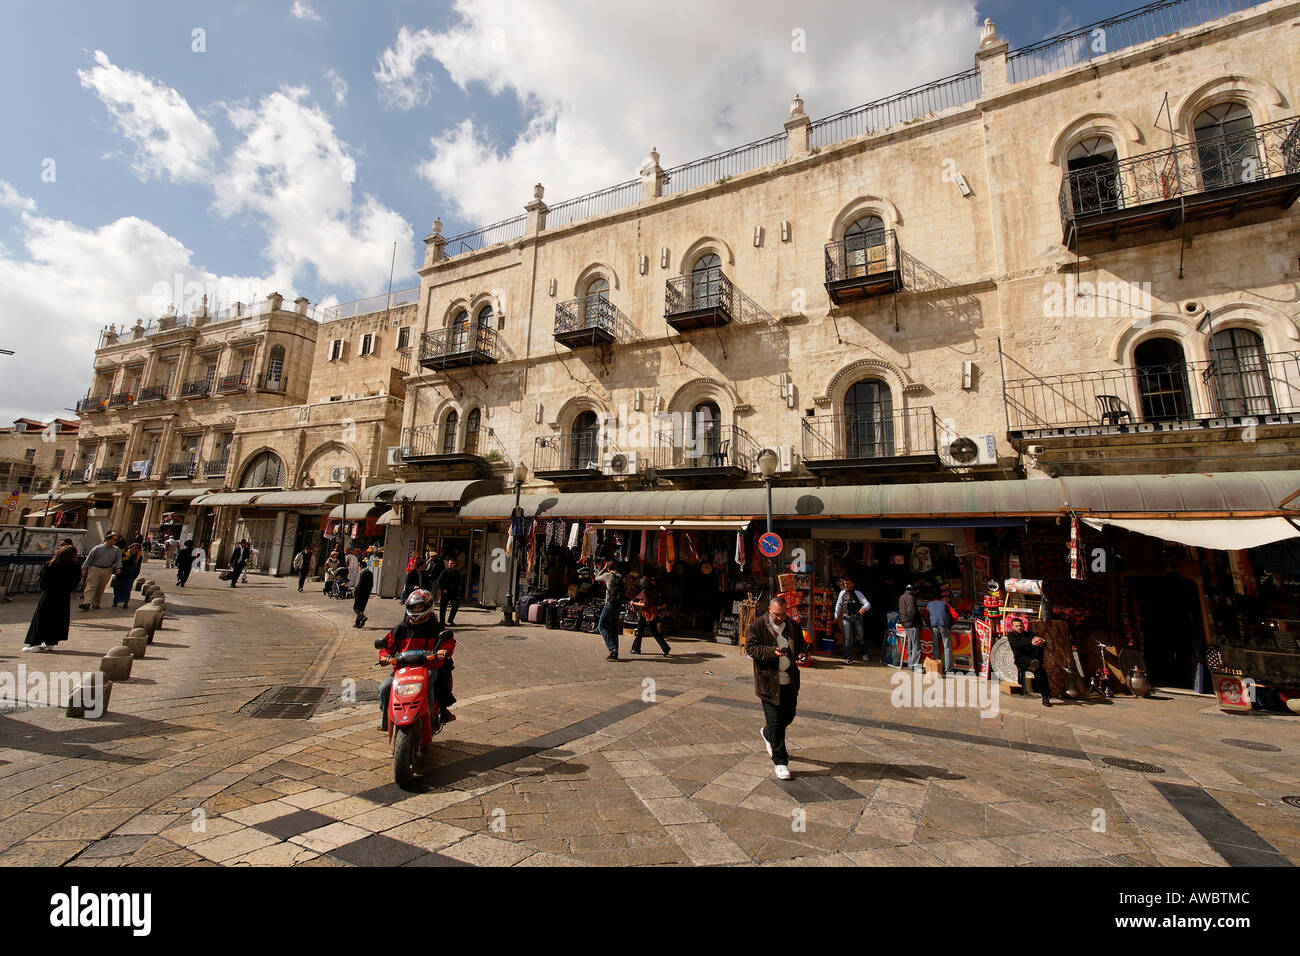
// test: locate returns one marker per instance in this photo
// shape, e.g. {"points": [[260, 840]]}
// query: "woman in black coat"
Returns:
{"points": [[59, 579], [361, 594]]}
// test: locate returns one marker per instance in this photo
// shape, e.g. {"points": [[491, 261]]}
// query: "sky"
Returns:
{"points": [[159, 150]]}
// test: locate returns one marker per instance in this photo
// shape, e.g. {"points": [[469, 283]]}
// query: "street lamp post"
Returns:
{"points": [[767, 465], [346, 486], [508, 614]]}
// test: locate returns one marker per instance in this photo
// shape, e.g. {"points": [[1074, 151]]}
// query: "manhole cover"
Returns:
{"points": [[1292, 802], [286, 702], [1137, 766], [1252, 745]]}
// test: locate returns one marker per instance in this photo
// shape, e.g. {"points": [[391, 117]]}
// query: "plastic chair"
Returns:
{"points": [[1112, 409]]}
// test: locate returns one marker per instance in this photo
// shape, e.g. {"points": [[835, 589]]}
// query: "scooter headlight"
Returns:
{"points": [[410, 689]]}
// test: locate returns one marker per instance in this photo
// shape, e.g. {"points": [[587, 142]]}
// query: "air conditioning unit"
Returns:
{"points": [[619, 464], [968, 451], [396, 453], [340, 475], [787, 463]]}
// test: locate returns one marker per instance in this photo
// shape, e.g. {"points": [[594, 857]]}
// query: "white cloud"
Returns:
{"points": [[10, 199], [170, 138], [338, 86], [602, 83], [303, 10], [401, 82]]}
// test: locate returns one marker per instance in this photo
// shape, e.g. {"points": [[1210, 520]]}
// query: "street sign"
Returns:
{"points": [[770, 544]]}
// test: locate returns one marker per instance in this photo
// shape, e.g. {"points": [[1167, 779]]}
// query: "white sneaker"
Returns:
{"points": [[782, 772], [762, 732], [33, 647]]}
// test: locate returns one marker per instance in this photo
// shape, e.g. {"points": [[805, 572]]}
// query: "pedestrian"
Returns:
{"points": [[851, 607], [126, 574], [775, 643], [909, 619], [647, 606], [331, 569], [302, 564], [433, 568], [238, 559], [59, 579], [615, 595], [250, 558], [103, 561], [449, 585], [184, 562], [354, 566], [941, 623], [361, 593], [414, 580], [170, 548], [200, 559]]}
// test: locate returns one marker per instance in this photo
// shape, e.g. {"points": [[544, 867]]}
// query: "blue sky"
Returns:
{"points": [[290, 143]]}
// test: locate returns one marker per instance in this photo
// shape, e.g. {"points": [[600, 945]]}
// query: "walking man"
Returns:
{"points": [[184, 562], [302, 564], [103, 561], [941, 630], [647, 606], [449, 585], [238, 558], [615, 594], [909, 619], [775, 643], [851, 609], [171, 547]]}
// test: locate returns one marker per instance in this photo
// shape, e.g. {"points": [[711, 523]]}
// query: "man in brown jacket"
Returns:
{"points": [[775, 643]]}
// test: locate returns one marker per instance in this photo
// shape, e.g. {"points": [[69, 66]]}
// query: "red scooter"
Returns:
{"points": [[413, 713]]}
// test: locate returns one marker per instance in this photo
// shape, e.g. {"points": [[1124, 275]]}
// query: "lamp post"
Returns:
{"points": [[508, 618], [767, 465], [345, 485]]}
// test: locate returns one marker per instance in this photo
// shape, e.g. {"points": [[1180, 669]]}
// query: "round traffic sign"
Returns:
{"points": [[770, 544]]}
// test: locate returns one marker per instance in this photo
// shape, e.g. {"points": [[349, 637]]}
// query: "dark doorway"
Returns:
{"points": [[1169, 611]]}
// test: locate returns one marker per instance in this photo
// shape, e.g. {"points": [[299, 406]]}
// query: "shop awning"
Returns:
{"points": [[1229, 495], [1219, 534], [389, 517], [676, 524], [223, 499], [145, 495], [358, 512], [379, 492], [185, 494], [447, 493], [85, 496], [307, 497]]}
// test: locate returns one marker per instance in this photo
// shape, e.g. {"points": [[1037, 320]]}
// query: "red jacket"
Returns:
{"points": [[418, 637]]}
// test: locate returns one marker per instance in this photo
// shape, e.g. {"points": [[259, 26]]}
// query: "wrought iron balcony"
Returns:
{"points": [[271, 383], [1153, 398], [705, 450], [91, 404], [457, 348], [591, 320], [1221, 176], [431, 444], [573, 457], [77, 477], [708, 299], [106, 474], [154, 393], [139, 474], [120, 399], [200, 389], [215, 468], [183, 469], [233, 383], [863, 265], [875, 436]]}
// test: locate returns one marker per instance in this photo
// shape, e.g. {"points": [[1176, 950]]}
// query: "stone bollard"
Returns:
{"points": [[116, 664], [161, 605], [146, 617], [136, 641], [90, 702], [150, 592]]}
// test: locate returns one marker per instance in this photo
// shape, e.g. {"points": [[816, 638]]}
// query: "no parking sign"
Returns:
{"points": [[770, 544]]}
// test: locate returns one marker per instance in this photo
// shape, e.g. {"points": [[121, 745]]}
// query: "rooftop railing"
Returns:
{"points": [[595, 203], [373, 304]]}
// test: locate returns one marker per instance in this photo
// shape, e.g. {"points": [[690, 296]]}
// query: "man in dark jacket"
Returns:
{"points": [[1028, 649], [449, 585], [302, 564], [238, 558], [361, 594], [909, 619], [184, 562], [775, 643]]}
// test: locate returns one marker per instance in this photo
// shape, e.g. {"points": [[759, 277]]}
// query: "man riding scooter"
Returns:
{"points": [[420, 631]]}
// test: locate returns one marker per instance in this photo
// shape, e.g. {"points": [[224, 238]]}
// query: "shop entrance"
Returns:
{"points": [[1172, 629]]}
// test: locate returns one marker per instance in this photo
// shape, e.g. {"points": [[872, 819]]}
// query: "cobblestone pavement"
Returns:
{"points": [[562, 758]]}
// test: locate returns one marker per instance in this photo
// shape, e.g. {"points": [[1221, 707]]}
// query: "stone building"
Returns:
{"points": [[35, 456]]}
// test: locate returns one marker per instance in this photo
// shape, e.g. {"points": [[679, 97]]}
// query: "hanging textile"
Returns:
{"points": [[620, 546], [740, 549], [689, 553], [670, 553], [1076, 562], [573, 535], [532, 549], [645, 538]]}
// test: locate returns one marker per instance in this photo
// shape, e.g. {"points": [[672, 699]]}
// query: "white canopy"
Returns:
{"points": [[1219, 534]]}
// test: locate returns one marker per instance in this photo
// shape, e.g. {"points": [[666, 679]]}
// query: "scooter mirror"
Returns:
{"points": [[446, 636], [380, 643]]}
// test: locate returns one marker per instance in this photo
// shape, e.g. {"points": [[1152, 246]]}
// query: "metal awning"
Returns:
{"points": [[186, 494], [85, 495], [145, 495], [357, 512], [389, 517], [1218, 534], [1227, 495], [222, 499], [306, 497], [379, 492], [676, 524], [448, 493]]}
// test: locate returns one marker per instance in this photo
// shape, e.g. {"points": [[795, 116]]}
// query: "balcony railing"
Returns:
{"points": [[431, 441], [372, 305], [576, 455], [120, 399], [145, 470], [271, 383], [1222, 174], [874, 436], [703, 449], [862, 265], [215, 468], [77, 477], [1244, 386], [708, 299], [154, 393], [592, 320], [200, 389], [107, 474], [91, 404], [182, 469], [456, 348], [233, 383]]}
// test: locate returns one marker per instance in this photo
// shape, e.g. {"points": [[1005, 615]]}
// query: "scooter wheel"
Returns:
{"points": [[404, 757]]}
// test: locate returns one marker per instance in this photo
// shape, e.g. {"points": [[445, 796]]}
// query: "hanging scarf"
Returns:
{"points": [[670, 543], [689, 554], [1076, 562], [740, 549], [645, 538], [573, 535]]}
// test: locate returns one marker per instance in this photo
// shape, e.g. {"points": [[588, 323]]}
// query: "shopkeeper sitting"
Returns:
{"points": [[1028, 649]]}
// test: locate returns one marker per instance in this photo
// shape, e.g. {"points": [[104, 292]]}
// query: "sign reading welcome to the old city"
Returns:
{"points": [[1153, 428]]}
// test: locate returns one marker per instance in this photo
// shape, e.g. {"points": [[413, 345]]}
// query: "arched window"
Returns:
{"points": [[458, 340], [1239, 373], [594, 300], [484, 320], [1225, 145], [275, 367], [264, 471], [449, 426], [706, 281], [1093, 168], [584, 441], [471, 431], [706, 434], [864, 247], [869, 420], [1162, 383]]}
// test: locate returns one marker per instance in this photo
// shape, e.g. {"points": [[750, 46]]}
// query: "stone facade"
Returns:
{"points": [[35, 456], [988, 290]]}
